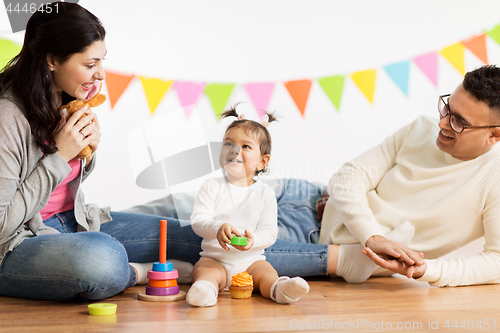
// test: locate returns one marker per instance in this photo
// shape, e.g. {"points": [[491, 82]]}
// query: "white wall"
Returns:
{"points": [[261, 41]]}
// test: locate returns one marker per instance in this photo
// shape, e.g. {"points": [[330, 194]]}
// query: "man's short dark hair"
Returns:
{"points": [[484, 84]]}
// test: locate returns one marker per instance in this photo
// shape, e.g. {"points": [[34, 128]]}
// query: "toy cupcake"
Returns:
{"points": [[241, 286]]}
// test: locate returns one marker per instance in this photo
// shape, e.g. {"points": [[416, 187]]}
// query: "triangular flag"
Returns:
{"points": [[477, 45], [455, 55], [116, 84], [8, 50], [219, 93], [260, 94], [333, 86], [365, 80], [428, 64], [188, 93], [399, 73], [299, 90], [494, 33], [155, 89]]}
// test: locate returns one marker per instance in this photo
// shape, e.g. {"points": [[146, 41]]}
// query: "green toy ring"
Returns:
{"points": [[238, 240], [102, 309]]}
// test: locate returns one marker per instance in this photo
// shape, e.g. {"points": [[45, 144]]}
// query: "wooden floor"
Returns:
{"points": [[393, 304]]}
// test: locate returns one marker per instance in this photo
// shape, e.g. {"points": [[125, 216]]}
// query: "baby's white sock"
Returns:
{"points": [[285, 290], [142, 271], [202, 293], [355, 267], [185, 270]]}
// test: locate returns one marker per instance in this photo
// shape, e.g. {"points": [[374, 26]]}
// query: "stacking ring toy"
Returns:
{"points": [[173, 274], [102, 309], [162, 267], [162, 291], [162, 286], [238, 240], [162, 283]]}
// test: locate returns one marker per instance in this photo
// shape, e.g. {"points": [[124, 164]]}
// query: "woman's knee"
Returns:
{"points": [[64, 266], [102, 263]]}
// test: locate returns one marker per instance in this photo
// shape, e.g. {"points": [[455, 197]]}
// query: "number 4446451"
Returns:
{"points": [[471, 324], [30, 8]]}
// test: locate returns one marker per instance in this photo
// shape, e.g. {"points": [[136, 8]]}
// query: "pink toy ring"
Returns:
{"points": [[173, 274], [162, 291]]}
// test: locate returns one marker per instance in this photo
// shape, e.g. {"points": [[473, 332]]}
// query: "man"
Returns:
{"points": [[424, 192]]}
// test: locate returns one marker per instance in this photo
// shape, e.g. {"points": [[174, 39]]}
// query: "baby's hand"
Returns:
{"points": [[225, 234], [249, 245]]}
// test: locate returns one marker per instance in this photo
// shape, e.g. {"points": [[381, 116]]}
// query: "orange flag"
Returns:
{"points": [[299, 90], [477, 45], [116, 84]]}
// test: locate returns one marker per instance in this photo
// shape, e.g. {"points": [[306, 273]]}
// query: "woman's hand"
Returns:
{"points": [[74, 134], [94, 144], [225, 234]]}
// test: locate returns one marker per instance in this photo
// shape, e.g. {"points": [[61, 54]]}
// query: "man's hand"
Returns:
{"points": [[397, 266], [388, 249]]}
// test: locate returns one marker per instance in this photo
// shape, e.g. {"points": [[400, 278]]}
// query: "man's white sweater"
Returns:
{"points": [[408, 178]]}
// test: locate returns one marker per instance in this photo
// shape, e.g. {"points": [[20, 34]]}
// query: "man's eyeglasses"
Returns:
{"points": [[456, 123]]}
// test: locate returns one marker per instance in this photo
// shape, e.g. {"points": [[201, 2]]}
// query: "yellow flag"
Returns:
{"points": [[155, 89], [365, 80], [455, 55]]}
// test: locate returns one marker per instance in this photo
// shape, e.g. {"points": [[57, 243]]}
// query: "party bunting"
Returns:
{"points": [[8, 50], [477, 45], [494, 33], [428, 64], [365, 80], [260, 94], [333, 86], [188, 92], [399, 73], [455, 55], [299, 90], [155, 89], [219, 93], [116, 84]]}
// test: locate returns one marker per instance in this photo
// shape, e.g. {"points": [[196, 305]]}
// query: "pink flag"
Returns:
{"points": [[260, 94], [428, 64], [188, 93]]}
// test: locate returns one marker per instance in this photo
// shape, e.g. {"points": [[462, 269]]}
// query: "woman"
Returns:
{"points": [[43, 254]]}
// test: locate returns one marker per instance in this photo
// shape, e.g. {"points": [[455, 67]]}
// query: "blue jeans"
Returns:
{"points": [[94, 265]]}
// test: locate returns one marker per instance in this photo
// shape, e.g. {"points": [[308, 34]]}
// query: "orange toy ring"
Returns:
{"points": [[162, 283]]}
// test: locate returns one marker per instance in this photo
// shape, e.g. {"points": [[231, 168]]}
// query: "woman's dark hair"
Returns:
{"points": [[257, 129], [484, 84], [60, 30]]}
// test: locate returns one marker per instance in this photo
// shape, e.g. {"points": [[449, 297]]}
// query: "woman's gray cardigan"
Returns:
{"points": [[27, 178]]}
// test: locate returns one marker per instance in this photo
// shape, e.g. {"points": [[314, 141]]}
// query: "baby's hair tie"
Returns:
{"points": [[265, 124], [241, 117]]}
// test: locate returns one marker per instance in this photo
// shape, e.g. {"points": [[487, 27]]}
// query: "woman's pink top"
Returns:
{"points": [[61, 199]]}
